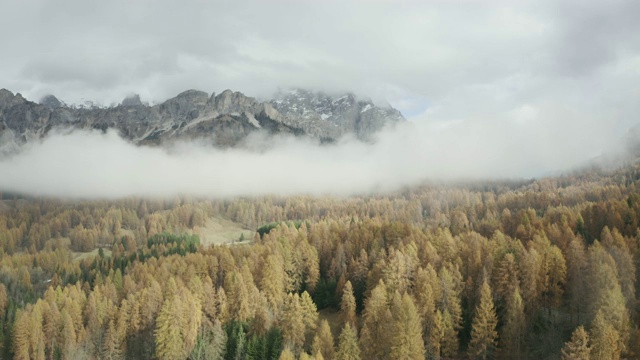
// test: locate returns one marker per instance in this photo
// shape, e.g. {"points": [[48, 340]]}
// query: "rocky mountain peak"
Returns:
{"points": [[51, 102], [193, 97], [234, 102], [224, 119], [334, 114], [8, 99], [132, 100]]}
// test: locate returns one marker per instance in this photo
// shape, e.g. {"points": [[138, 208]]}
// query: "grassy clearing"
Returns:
{"points": [[79, 256], [218, 230]]}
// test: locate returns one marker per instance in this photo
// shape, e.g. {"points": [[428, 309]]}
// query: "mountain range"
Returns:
{"points": [[223, 120]]}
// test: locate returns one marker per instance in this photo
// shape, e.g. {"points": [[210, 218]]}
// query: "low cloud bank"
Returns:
{"points": [[87, 164]]}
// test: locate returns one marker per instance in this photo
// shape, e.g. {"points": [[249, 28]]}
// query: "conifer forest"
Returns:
{"points": [[541, 269]]}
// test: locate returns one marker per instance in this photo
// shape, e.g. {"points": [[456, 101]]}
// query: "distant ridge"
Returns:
{"points": [[223, 120]]}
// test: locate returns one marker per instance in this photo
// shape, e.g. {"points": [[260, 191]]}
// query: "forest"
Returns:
{"points": [[540, 269]]}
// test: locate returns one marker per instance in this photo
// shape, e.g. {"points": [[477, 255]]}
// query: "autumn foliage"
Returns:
{"points": [[493, 270]]}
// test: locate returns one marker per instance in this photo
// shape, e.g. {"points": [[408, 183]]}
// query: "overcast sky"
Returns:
{"points": [[452, 59], [555, 82]]}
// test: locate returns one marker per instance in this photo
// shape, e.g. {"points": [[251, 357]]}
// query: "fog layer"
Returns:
{"points": [[94, 165]]}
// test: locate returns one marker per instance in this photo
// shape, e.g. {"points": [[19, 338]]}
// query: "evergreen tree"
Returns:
{"points": [[211, 344], [274, 344], [236, 343]]}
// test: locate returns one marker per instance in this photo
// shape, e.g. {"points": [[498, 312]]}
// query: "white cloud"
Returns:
{"points": [[94, 165]]}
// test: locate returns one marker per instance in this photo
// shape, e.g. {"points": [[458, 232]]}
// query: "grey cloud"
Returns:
{"points": [[595, 33]]}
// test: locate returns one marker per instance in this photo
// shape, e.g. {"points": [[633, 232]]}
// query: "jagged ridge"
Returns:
{"points": [[224, 119]]}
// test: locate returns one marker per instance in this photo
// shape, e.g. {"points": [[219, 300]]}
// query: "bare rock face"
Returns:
{"points": [[333, 116], [132, 100], [51, 102], [223, 120]]}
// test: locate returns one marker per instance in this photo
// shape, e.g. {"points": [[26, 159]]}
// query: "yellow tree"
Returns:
{"points": [[406, 339], [273, 281], [605, 294], [323, 342], [483, 331], [52, 321], [436, 336], [348, 344], [191, 320], [513, 330], [606, 341], [110, 344], [506, 277], [222, 305], [287, 354], [578, 347], [21, 335], [169, 342], [292, 322], [237, 296], [576, 279], [348, 306], [3, 300], [68, 337], [426, 291], [263, 318], [449, 304], [616, 246], [37, 339], [375, 324]]}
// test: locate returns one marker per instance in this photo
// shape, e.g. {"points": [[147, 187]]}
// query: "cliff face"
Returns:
{"points": [[333, 116], [223, 120]]}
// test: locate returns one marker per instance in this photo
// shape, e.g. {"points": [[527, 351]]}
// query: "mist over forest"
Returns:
{"points": [[92, 164]]}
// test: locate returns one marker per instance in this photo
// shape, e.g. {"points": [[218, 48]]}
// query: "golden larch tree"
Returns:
{"points": [[376, 318], [348, 306], [578, 347], [406, 339], [514, 329], [348, 344], [483, 330], [323, 342]]}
